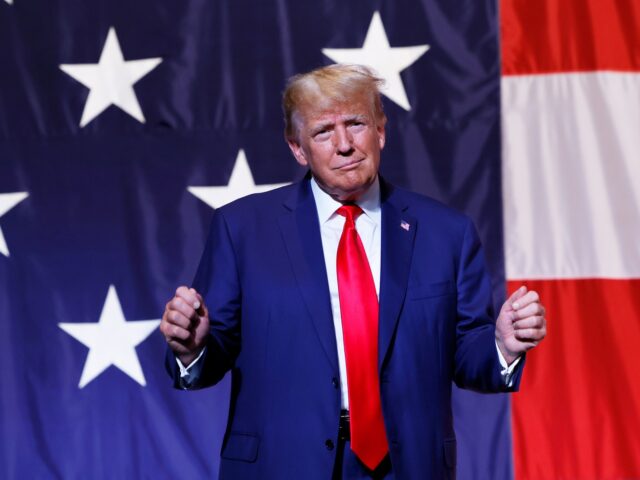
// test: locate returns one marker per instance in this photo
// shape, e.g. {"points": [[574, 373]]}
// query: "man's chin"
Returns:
{"points": [[351, 192]]}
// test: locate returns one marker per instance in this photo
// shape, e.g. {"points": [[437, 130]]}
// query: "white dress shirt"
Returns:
{"points": [[368, 225]]}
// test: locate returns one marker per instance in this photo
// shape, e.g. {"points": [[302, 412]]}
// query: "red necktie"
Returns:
{"points": [[359, 312]]}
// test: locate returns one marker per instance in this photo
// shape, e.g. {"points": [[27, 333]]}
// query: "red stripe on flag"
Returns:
{"points": [[577, 415], [551, 36]]}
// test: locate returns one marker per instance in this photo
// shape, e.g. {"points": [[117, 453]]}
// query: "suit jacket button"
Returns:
{"points": [[329, 444], [335, 382]]}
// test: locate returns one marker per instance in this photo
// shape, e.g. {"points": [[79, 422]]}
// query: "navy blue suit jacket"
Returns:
{"points": [[264, 281]]}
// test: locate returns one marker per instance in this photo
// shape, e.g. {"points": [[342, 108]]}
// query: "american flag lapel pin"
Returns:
{"points": [[405, 225]]}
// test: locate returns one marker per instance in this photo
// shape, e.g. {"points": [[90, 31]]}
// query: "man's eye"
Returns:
{"points": [[322, 134]]}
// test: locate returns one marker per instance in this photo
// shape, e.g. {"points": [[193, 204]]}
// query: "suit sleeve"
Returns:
{"points": [[477, 366], [217, 280]]}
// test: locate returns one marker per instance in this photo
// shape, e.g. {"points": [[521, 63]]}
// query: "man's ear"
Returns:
{"points": [[297, 151], [382, 133]]}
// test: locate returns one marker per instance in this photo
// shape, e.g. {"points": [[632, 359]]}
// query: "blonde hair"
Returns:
{"points": [[327, 85]]}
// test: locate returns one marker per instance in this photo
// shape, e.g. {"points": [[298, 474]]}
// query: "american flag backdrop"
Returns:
{"points": [[123, 124]]}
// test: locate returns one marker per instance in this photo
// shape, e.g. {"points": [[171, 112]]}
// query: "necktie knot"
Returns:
{"points": [[350, 211]]}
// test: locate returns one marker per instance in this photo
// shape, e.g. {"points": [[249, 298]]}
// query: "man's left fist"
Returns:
{"points": [[521, 324]]}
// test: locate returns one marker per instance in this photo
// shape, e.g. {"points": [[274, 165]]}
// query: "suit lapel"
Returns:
{"points": [[398, 234], [301, 234]]}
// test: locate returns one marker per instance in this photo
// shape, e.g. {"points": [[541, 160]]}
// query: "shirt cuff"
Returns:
{"points": [[184, 371], [507, 370]]}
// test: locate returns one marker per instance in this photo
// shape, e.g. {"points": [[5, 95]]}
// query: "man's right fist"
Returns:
{"points": [[185, 324]]}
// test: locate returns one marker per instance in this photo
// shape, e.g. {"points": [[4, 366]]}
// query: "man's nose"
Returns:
{"points": [[343, 140]]}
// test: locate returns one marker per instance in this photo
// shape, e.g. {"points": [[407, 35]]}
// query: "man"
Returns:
{"points": [[344, 308]]}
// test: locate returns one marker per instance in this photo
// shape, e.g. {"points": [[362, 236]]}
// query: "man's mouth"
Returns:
{"points": [[350, 165]]}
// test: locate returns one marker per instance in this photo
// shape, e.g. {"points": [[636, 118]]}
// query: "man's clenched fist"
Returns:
{"points": [[521, 324], [185, 324]]}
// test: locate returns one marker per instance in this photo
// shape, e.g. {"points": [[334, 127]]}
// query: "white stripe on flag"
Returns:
{"points": [[571, 175]]}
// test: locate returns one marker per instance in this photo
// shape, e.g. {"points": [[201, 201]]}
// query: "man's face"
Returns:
{"points": [[341, 144]]}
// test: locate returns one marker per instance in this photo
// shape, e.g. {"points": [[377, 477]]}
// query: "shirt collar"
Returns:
{"points": [[369, 202]]}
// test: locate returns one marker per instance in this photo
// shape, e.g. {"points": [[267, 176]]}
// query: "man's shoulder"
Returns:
{"points": [[423, 206], [260, 203]]}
